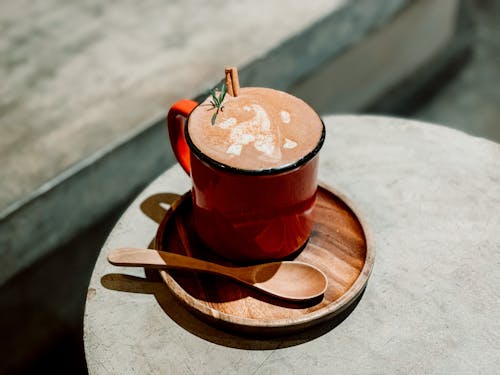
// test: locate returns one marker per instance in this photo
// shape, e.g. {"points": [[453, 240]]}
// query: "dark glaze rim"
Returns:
{"points": [[253, 172]]}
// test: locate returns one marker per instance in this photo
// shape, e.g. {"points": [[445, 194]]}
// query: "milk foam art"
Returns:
{"points": [[261, 128]]}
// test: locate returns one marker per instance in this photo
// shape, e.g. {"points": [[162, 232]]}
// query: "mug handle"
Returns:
{"points": [[176, 119]]}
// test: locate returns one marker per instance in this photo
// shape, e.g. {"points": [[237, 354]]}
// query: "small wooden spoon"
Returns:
{"points": [[295, 281]]}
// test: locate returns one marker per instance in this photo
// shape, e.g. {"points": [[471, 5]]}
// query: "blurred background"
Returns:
{"points": [[85, 87]]}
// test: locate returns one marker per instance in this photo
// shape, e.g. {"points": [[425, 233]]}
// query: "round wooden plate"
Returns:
{"points": [[338, 246]]}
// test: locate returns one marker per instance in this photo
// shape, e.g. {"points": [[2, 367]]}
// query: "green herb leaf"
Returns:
{"points": [[223, 91], [217, 99]]}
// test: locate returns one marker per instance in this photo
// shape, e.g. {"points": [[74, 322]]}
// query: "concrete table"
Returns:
{"points": [[431, 199]]}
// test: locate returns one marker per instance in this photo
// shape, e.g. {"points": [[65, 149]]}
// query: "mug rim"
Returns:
{"points": [[254, 172]]}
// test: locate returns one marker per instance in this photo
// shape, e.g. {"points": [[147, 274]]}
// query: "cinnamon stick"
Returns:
{"points": [[232, 81]]}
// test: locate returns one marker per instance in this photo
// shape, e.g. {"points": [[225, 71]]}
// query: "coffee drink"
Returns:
{"points": [[252, 155], [259, 129]]}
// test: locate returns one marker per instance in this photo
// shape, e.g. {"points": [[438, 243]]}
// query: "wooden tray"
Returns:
{"points": [[337, 246]]}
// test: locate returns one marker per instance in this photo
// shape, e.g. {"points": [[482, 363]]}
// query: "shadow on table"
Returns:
{"points": [[153, 205], [153, 284]]}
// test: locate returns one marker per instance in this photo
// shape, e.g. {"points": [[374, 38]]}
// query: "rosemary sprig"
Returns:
{"points": [[217, 99]]}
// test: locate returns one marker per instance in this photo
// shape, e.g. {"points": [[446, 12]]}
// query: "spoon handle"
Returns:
{"points": [[131, 257]]}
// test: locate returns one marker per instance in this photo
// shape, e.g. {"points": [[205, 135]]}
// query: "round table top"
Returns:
{"points": [[430, 197]]}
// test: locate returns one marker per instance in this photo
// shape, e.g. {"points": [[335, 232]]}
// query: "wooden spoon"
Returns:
{"points": [[295, 281]]}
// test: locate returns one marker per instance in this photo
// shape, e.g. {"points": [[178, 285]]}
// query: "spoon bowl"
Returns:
{"points": [[289, 280]]}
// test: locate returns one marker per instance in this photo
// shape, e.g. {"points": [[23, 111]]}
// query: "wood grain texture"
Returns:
{"points": [[337, 246]]}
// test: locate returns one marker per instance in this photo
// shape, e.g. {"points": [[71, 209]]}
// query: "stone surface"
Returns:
{"points": [[470, 101], [42, 307], [383, 60], [428, 195]]}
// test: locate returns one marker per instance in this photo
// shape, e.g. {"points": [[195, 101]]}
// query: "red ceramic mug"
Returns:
{"points": [[246, 215]]}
